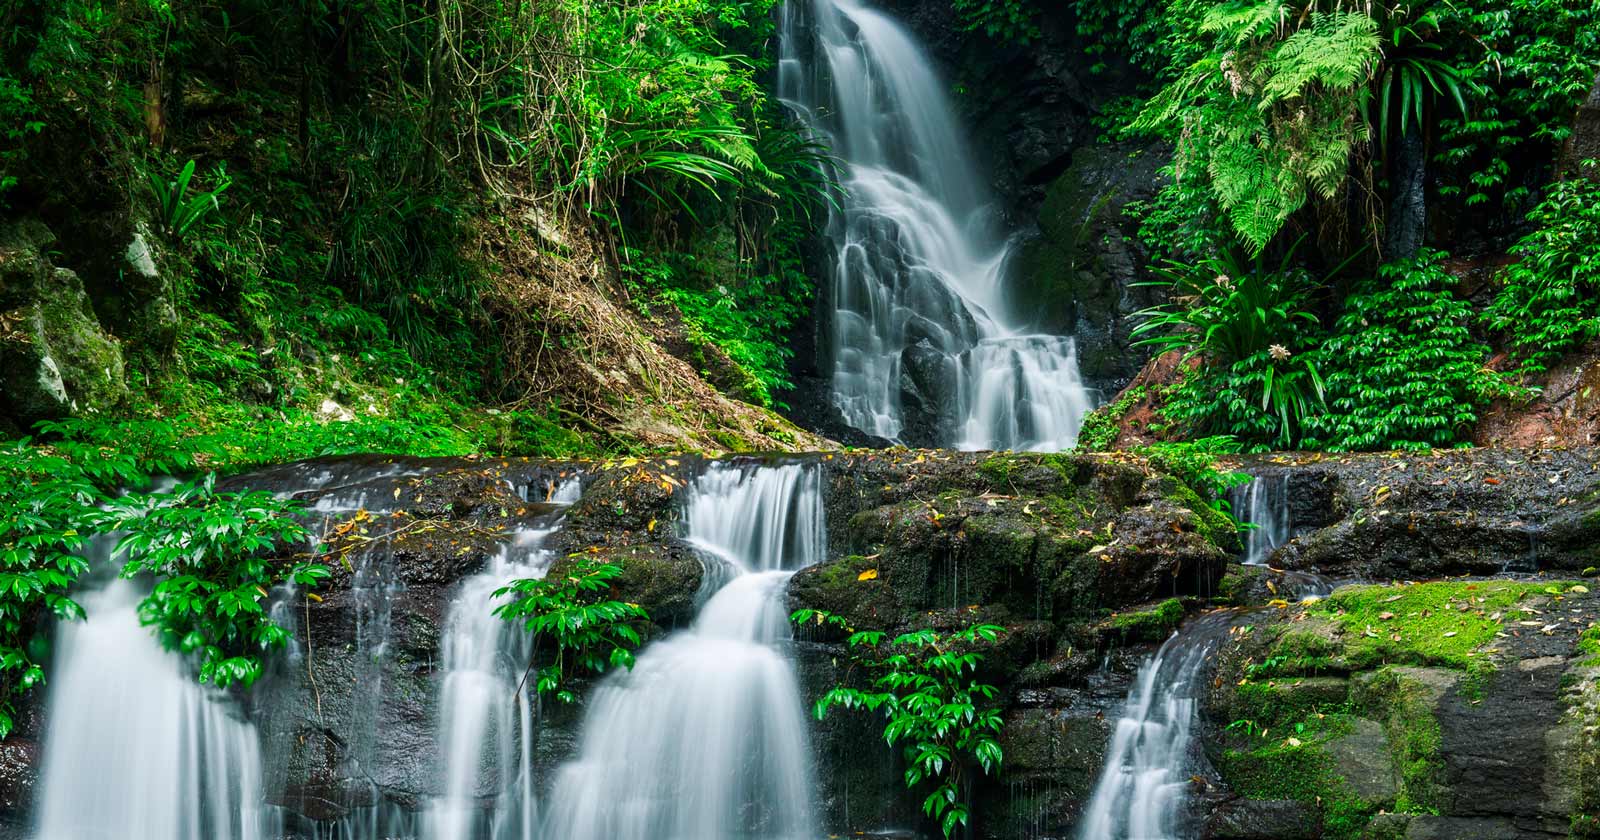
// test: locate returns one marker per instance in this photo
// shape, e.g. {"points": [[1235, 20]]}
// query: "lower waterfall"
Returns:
{"points": [[705, 739], [1153, 752], [135, 748]]}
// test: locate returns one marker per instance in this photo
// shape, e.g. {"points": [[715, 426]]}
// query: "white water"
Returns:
{"points": [[705, 739], [919, 260], [135, 748], [1140, 793], [1264, 503], [486, 723]]}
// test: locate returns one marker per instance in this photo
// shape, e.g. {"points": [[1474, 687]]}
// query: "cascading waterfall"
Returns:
{"points": [[1264, 504], [485, 721], [920, 309], [135, 747], [1153, 752], [705, 738]]}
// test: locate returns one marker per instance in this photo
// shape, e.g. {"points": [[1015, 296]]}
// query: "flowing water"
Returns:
{"points": [[486, 723], [1264, 504], [922, 324], [705, 738], [1153, 753], [135, 748]]}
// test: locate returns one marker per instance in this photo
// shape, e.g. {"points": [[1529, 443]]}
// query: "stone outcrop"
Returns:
{"points": [[55, 359], [1469, 710], [1385, 516]]}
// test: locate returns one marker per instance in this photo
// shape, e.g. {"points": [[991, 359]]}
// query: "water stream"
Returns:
{"points": [[135, 748], [1264, 505], [924, 331], [1140, 794], [705, 739]]}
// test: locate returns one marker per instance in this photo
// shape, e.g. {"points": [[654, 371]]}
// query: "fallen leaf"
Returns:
{"points": [[870, 574]]}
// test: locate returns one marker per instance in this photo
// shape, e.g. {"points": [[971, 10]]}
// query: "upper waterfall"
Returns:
{"points": [[924, 334]]}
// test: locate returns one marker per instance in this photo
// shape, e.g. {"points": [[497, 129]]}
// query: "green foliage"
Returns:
{"points": [[210, 554], [1270, 114], [45, 501], [88, 478], [1548, 303], [1016, 21], [589, 632], [1152, 625], [925, 685], [1252, 331], [1195, 464], [1528, 64], [748, 317], [1103, 425], [1404, 371], [177, 211]]}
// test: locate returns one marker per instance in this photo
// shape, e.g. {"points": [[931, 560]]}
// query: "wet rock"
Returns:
{"points": [[55, 360], [1263, 819], [1079, 273], [1361, 758], [1479, 512]]}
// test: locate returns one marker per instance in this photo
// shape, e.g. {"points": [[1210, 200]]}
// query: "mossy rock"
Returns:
{"points": [[1149, 625]]}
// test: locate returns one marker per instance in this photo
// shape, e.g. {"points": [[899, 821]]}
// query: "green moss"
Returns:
{"points": [[1589, 648], [997, 470], [1285, 702], [1152, 625], [1405, 705], [1102, 426], [1447, 623], [1301, 770]]}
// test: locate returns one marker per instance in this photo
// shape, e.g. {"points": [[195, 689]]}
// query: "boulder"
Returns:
{"points": [[55, 360]]}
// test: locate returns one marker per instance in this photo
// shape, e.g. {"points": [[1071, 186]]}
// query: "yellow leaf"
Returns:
{"points": [[870, 574], [1578, 589], [314, 596], [651, 527]]}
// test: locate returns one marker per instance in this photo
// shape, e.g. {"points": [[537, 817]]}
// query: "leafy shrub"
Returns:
{"points": [[590, 633], [210, 554], [924, 683], [1404, 371], [1252, 332], [1005, 20], [177, 210], [1549, 301]]}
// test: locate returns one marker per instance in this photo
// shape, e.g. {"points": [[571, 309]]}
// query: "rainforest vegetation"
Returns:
{"points": [[583, 228]]}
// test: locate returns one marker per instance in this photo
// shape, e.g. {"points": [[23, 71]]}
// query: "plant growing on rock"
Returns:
{"points": [[925, 684], [212, 555], [590, 632]]}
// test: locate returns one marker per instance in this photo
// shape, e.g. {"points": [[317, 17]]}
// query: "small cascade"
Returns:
{"points": [[485, 718], [135, 747], [1153, 753], [924, 331], [705, 738], [1264, 504]]}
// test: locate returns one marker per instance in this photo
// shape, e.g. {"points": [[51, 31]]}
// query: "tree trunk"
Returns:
{"points": [[1408, 212]]}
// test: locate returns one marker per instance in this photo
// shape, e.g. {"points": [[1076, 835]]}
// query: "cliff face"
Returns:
{"points": [[1430, 710]]}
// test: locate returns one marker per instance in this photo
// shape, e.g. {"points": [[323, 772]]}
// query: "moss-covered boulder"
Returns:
{"points": [[55, 360]]}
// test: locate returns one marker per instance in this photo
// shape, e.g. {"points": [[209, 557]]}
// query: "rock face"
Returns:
{"points": [[1464, 708], [55, 359], [1479, 511], [1082, 266], [1585, 143], [1377, 722]]}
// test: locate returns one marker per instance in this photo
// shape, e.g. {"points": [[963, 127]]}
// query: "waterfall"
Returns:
{"points": [[134, 746], [485, 720], [1264, 504], [1141, 790], [705, 738], [923, 330]]}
